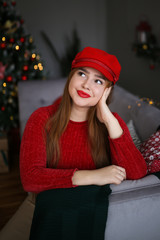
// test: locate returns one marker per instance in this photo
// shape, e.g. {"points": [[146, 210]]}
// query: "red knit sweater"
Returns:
{"points": [[36, 177]]}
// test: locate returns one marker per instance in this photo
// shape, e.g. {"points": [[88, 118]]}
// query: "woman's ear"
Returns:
{"points": [[109, 84]]}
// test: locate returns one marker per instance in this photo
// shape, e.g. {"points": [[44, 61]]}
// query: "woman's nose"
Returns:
{"points": [[86, 84]]}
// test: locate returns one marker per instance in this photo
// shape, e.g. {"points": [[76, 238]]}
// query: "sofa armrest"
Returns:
{"points": [[130, 185], [134, 210], [134, 189]]}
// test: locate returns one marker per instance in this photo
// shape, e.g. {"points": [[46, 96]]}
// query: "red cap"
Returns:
{"points": [[106, 63]]}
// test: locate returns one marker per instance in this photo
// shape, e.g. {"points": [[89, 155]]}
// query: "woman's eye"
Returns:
{"points": [[81, 74], [99, 82]]}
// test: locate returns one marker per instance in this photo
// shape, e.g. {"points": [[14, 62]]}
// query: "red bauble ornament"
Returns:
{"points": [[2, 70], [5, 4], [24, 77], [13, 3], [3, 108], [3, 45], [9, 78], [143, 31], [152, 66], [21, 21], [22, 39], [25, 67], [11, 40]]}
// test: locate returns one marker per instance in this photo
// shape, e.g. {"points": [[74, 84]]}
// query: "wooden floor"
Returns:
{"points": [[11, 191]]}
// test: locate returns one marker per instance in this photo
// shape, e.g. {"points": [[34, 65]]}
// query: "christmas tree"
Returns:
{"points": [[19, 61]]}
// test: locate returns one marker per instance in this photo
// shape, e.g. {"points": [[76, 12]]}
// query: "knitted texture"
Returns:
{"points": [[124, 153], [36, 177]]}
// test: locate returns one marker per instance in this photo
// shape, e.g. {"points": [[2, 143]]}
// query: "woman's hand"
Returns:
{"points": [[105, 116], [102, 108], [108, 175]]}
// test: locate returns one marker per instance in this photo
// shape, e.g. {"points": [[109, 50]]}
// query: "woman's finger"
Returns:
{"points": [[122, 172]]}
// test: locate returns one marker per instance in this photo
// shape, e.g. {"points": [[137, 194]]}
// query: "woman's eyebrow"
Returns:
{"points": [[99, 76], [83, 69]]}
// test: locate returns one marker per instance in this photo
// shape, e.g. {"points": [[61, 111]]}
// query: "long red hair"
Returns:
{"points": [[56, 125]]}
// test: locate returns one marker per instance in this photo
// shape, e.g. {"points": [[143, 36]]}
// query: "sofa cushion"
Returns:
{"points": [[128, 106], [146, 120], [34, 94], [134, 134], [150, 150]]}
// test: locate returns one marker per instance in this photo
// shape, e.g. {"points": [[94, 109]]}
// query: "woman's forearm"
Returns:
{"points": [[82, 177], [105, 116], [113, 126], [107, 175]]}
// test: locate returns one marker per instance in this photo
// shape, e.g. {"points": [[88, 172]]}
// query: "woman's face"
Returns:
{"points": [[87, 86]]}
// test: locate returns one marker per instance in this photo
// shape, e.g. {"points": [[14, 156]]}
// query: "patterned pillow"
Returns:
{"points": [[133, 133], [150, 150]]}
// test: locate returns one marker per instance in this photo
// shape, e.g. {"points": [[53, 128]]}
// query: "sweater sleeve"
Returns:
{"points": [[125, 154], [35, 176]]}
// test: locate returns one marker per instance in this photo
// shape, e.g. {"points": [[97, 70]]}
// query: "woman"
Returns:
{"points": [[85, 95], [78, 141]]}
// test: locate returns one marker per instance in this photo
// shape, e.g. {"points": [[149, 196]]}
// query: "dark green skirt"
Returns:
{"points": [[78, 213]]}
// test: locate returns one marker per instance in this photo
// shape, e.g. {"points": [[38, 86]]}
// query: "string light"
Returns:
{"points": [[33, 55], [41, 68], [35, 67], [38, 57], [4, 91], [11, 118], [39, 64], [145, 47], [13, 94], [10, 100], [151, 102], [4, 84], [146, 100], [30, 40], [3, 39], [26, 54], [17, 47], [16, 88]]}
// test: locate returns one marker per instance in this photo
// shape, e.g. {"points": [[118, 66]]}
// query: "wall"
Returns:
{"points": [[106, 24], [122, 18], [58, 18]]}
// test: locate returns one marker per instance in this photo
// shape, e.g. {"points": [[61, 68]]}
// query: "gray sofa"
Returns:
{"points": [[134, 206]]}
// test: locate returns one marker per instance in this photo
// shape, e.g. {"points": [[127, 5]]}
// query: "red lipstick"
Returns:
{"points": [[83, 94]]}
